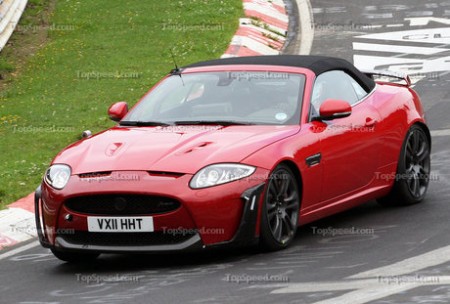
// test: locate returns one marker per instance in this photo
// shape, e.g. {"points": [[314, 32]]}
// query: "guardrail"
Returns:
{"points": [[10, 13]]}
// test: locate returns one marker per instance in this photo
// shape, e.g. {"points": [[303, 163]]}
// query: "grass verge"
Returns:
{"points": [[69, 60]]}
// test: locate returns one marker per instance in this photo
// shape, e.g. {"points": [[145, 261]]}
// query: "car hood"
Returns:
{"points": [[182, 149]]}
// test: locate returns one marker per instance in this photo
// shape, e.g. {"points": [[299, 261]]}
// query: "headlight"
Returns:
{"points": [[220, 174], [57, 176]]}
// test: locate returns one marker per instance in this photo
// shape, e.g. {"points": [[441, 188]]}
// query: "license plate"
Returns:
{"points": [[120, 224]]}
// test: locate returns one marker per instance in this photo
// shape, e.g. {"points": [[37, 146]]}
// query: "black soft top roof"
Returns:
{"points": [[317, 64]]}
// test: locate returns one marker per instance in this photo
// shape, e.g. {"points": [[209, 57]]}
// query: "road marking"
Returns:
{"points": [[18, 250], [429, 259], [397, 48], [419, 67], [395, 25], [346, 267], [366, 290], [379, 16], [306, 22], [436, 133], [374, 284], [436, 35], [423, 21]]}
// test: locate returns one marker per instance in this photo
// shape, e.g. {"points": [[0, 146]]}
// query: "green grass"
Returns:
{"points": [[47, 99]]}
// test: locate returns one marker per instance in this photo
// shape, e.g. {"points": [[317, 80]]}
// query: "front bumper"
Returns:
{"points": [[232, 209]]}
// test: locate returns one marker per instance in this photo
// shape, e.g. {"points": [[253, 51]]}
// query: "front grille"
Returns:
{"points": [[126, 238], [121, 204]]}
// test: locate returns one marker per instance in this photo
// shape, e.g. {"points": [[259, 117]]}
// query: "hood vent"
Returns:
{"points": [[165, 174], [95, 174]]}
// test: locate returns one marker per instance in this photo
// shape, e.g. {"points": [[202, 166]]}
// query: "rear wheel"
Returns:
{"points": [[413, 170], [280, 209], [74, 257]]}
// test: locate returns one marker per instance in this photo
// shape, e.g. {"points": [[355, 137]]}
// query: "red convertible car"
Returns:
{"points": [[236, 151]]}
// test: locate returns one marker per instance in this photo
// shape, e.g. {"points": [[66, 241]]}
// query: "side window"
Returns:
{"points": [[360, 92], [335, 85]]}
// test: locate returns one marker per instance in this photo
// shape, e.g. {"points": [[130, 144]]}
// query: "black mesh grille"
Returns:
{"points": [[126, 239], [121, 204]]}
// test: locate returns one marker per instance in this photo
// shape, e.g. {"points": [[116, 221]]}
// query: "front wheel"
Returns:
{"points": [[413, 170], [280, 210]]}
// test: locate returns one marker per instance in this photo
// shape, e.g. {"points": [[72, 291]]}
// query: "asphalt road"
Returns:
{"points": [[376, 255]]}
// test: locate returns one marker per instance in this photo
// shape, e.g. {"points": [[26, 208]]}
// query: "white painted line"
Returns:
{"points": [[371, 26], [397, 48], [372, 62], [372, 293], [395, 25], [306, 23], [346, 267], [378, 283], [364, 291], [435, 133], [429, 259], [422, 21], [430, 35], [19, 250], [379, 16]]}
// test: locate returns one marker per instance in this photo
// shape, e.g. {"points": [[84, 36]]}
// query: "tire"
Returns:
{"points": [[74, 257], [413, 170], [281, 205]]}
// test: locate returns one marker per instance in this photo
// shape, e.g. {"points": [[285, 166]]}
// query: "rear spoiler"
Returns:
{"points": [[398, 75]]}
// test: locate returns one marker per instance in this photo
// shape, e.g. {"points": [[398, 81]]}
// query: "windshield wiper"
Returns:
{"points": [[212, 122], [144, 123]]}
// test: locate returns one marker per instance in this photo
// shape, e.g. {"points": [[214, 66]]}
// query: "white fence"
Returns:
{"points": [[10, 13]]}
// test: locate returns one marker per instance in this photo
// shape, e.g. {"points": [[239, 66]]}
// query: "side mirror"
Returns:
{"points": [[118, 110], [332, 109]]}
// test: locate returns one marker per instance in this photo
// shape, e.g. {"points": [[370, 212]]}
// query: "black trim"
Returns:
{"points": [[313, 159], [192, 244], [392, 74], [317, 64], [246, 233], [37, 217]]}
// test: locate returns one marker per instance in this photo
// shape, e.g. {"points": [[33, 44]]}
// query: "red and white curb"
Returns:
{"points": [[17, 222], [263, 32], [10, 13]]}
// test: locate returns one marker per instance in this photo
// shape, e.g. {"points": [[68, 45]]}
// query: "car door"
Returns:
{"points": [[348, 145]]}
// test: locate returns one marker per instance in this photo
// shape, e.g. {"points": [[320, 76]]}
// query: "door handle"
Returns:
{"points": [[313, 159]]}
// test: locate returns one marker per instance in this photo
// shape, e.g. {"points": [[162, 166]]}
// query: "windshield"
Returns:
{"points": [[222, 98]]}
